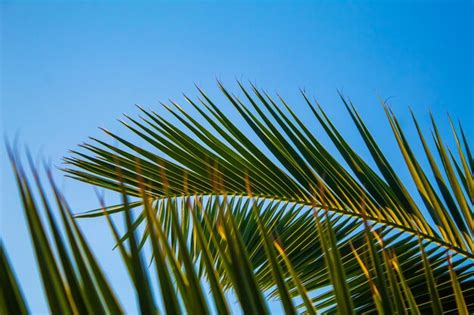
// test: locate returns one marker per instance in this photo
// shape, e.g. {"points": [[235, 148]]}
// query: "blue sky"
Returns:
{"points": [[68, 68]]}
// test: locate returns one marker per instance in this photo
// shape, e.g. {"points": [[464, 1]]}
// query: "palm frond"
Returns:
{"points": [[293, 224], [217, 159]]}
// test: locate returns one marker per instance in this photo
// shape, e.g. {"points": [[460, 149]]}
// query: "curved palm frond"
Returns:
{"points": [[298, 176], [221, 159]]}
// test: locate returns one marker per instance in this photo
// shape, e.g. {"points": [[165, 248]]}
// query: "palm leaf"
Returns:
{"points": [[191, 158], [198, 155], [220, 202]]}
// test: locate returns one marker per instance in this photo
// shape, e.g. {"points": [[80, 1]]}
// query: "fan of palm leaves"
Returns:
{"points": [[293, 224]]}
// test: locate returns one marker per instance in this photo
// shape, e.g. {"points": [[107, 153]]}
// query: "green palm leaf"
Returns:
{"points": [[220, 209], [300, 173], [217, 159]]}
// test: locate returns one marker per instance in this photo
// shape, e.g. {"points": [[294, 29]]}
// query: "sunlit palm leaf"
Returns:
{"points": [[300, 174], [218, 159], [214, 204]]}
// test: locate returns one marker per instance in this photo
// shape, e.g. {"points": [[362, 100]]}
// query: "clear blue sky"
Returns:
{"points": [[68, 68]]}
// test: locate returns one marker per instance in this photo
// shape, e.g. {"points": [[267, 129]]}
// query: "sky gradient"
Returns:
{"points": [[68, 68]]}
